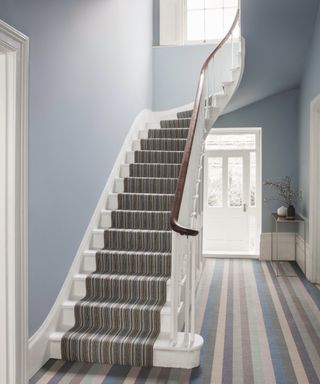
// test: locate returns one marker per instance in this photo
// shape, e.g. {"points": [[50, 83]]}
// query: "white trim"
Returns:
{"points": [[228, 255], [300, 252], [313, 262], [258, 133], [13, 196], [173, 25]]}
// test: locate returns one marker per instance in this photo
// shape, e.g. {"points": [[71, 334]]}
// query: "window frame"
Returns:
{"points": [[173, 24], [184, 13]]}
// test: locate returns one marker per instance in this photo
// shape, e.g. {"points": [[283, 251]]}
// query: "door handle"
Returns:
{"points": [[244, 207]]}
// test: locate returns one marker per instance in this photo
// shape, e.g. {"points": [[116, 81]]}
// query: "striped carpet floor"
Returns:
{"points": [[257, 329]]}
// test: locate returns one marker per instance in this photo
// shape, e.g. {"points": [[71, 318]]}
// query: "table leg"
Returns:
{"points": [[277, 249], [305, 247]]}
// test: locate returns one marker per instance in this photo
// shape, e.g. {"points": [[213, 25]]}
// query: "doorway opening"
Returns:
{"points": [[232, 193], [313, 261]]}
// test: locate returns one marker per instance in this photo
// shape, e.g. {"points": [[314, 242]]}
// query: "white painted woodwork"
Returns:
{"points": [[227, 230], [171, 22], [13, 205], [313, 261]]}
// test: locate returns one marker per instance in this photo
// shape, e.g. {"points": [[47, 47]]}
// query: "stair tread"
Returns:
{"points": [[164, 139], [149, 178], [151, 151], [151, 194], [134, 211], [135, 230], [153, 164], [129, 252]]}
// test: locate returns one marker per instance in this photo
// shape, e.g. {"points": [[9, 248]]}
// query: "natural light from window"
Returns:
{"points": [[209, 19]]}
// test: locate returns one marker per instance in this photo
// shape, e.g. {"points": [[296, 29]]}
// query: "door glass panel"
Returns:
{"points": [[253, 179], [215, 188], [235, 181]]}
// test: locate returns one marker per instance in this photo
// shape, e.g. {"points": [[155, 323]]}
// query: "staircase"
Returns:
{"points": [[118, 320], [129, 297]]}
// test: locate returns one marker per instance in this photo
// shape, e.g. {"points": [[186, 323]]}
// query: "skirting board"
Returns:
{"points": [[291, 247]]}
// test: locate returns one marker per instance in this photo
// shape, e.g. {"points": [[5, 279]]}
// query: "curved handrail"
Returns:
{"points": [[187, 151]]}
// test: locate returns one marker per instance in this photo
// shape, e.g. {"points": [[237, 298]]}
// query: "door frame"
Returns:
{"points": [[313, 264], [258, 132], [14, 49]]}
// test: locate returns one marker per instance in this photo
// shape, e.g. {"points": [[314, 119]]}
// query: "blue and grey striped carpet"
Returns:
{"points": [[257, 329]]}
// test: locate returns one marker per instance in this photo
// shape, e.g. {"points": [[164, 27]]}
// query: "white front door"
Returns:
{"points": [[231, 208]]}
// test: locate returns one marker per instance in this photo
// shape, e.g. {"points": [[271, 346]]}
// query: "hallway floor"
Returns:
{"points": [[257, 328]]}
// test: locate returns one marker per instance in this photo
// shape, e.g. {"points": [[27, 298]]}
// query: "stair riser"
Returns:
{"points": [[68, 318], [147, 185], [134, 220], [107, 287], [150, 242], [164, 133], [159, 157], [137, 241], [174, 133], [105, 219], [155, 221], [127, 264], [163, 145], [184, 115], [159, 145], [112, 202], [175, 123], [154, 170], [145, 203], [150, 170], [79, 288]]}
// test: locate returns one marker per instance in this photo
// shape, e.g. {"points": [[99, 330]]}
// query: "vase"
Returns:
{"points": [[291, 212], [282, 211]]}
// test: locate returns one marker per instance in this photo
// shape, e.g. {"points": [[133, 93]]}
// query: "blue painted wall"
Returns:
{"points": [[278, 117], [176, 73], [90, 75], [310, 88], [277, 35]]}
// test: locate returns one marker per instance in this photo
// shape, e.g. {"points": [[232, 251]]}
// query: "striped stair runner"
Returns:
{"points": [[118, 321]]}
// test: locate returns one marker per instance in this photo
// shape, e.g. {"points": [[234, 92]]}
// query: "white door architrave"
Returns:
{"points": [[227, 229], [14, 58], [313, 264]]}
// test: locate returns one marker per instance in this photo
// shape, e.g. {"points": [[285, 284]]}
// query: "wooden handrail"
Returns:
{"points": [[187, 151]]}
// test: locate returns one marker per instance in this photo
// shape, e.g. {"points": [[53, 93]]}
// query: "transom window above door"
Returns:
{"points": [[195, 21]]}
